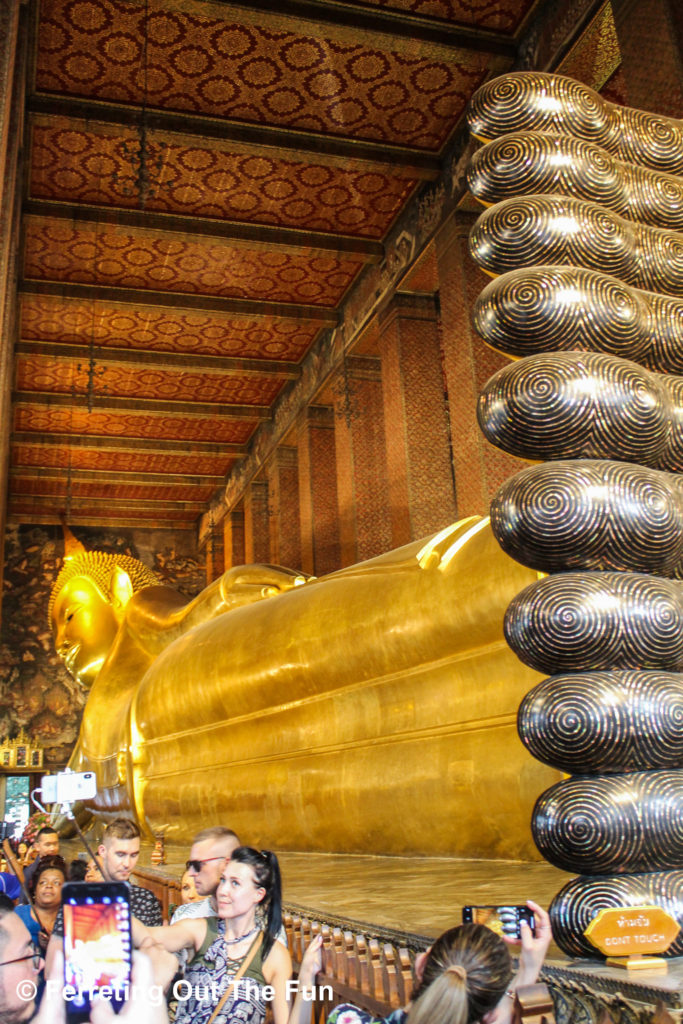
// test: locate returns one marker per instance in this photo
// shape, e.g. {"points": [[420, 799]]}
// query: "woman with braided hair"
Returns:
{"points": [[466, 977], [237, 966]]}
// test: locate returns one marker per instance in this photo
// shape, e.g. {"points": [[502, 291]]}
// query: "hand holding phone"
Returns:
{"points": [[97, 946]]}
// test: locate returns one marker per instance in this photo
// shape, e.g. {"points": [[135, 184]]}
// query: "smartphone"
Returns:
{"points": [[97, 945], [66, 787], [504, 921]]}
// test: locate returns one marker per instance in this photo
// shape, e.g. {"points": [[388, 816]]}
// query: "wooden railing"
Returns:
{"points": [[368, 971]]}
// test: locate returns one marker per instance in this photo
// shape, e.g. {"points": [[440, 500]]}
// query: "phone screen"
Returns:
{"points": [[97, 945], [503, 920]]}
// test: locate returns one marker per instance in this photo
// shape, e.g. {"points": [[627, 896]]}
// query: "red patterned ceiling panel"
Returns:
{"points": [[216, 59], [73, 321], [115, 257], [25, 486], [30, 511], [65, 376], [60, 420], [54, 457], [497, 15], [76, 163]]}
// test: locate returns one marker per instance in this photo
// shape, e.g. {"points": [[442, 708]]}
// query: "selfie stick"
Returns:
{"points": [[65, 809]]}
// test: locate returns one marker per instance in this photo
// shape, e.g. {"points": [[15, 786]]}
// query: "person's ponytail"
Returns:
{"points": [[445, 1000], [465, 975], [274, 897]]}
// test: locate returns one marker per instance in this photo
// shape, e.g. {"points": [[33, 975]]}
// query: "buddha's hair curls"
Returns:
{"points": [[98, 566], [466, 975]]}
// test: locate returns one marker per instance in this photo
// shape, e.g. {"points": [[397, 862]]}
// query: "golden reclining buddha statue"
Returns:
{"points": [[371, 710]]}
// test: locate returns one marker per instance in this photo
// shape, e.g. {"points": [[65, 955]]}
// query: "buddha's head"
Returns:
{"points": [[87, 604]]}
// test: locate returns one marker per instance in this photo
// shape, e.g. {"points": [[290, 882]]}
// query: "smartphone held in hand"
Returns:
{"points": [[97, 946], [505, 921]]}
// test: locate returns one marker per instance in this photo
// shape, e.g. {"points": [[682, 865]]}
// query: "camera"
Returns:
{"points": [[503, 920], [97, 946], [67, 787], [7, 830]]}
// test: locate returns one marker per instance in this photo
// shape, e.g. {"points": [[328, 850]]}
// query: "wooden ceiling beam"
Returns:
{"points": [[82, 501], [180, 301], [261, 136], [387, 21], [111, 521], [128, 444], [121, 476], [190, 361], [105, 403], [205, 227]]}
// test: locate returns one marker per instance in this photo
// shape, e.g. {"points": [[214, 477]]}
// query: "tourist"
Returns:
{"points": [[20, 963], [46, 844], [188, 892], [46, 893], [210, 852], [233, 945], [465, 977], [118, 854]]}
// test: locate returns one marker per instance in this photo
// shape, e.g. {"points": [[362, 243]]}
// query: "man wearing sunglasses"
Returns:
{"points": [[19, 967], [211, 850]]}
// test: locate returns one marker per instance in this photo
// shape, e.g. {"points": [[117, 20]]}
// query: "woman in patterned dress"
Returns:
{"points": [[219, 946], [464, 978]]}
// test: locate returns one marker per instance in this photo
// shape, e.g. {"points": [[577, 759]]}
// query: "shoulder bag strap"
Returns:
{"points": [[253, 950]]}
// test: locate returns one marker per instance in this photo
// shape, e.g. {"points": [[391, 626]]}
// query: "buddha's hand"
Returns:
{"points": [[246, 583]]}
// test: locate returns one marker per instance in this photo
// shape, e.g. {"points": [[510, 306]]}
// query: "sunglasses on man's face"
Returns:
{"points": [[196, 865], [36, 956]]}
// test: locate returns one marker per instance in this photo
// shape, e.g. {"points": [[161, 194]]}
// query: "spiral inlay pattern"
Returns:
{"points": [[531, 163], [612, 825], [577, 621], [586, 232], [582, 899], [574, 405], [539, 102], [539, 309], [557, 230], [592, 515], [607, 722]]}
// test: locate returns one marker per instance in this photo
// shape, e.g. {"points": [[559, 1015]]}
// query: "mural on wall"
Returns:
{"points": [[36, 691]]}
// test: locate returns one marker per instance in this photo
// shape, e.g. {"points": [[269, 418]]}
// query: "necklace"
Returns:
{"points": [[240, 938]]}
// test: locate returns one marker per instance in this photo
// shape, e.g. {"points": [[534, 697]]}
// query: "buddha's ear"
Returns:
{"points": [[120, 590]]}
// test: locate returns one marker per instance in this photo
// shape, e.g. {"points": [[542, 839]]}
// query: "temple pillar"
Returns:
{"points": [[233, 537], [318, 509], [362, 481], [653, 28], [214, 553], [256, 528], [283, 492], [420, 478], [479, 468]]}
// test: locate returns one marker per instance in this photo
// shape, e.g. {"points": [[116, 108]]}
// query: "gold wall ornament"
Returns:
{"points": [[351, 713], [20, 754]]}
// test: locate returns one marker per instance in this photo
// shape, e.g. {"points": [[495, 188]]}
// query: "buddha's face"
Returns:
{"points": [[84, 626]]}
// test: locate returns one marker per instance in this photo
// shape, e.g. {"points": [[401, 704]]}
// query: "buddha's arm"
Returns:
{"points": [[157, 621]]}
